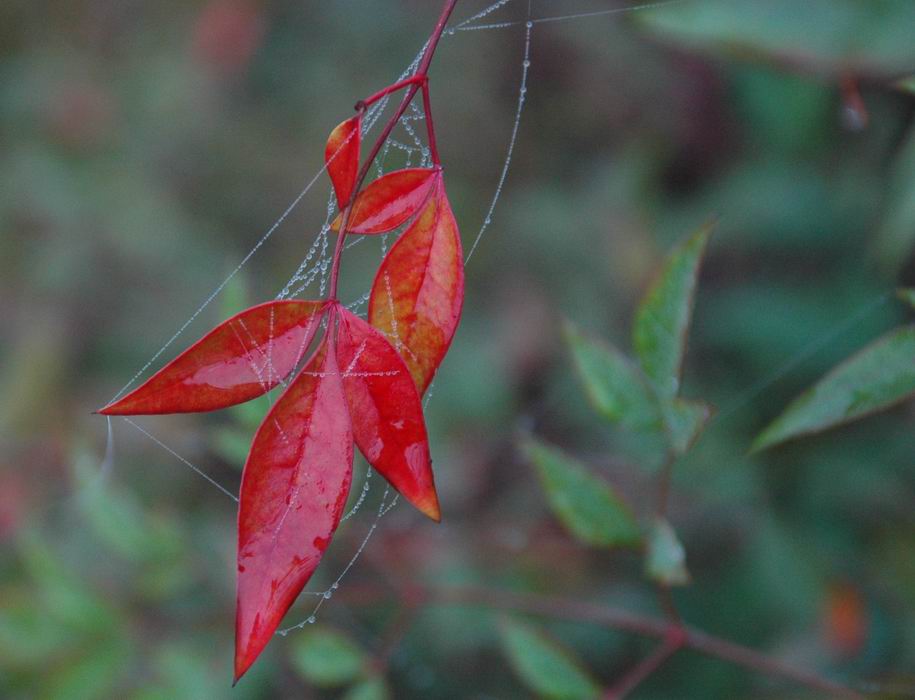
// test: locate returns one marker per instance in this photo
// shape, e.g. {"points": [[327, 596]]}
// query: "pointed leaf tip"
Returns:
{"points": [[586, 505], [875, 378], [293, 492], [543, 665], [342, 157], [240, 359], [418, 292], [389, 201], [386, 412], [662, 320]]}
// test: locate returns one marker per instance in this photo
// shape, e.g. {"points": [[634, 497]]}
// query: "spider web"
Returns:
{"points": [[406, 145]]}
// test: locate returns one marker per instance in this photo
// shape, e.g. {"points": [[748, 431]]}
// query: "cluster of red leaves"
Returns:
{"points": [[361, 384]]}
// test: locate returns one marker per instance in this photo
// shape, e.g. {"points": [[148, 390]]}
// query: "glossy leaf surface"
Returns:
{"points": [[546, 668], [418, 292], [613, 384], [662, 321], [586, 505], [342, 158], [386, 412], [240, 359], [389, 201], [293, 492], [877, 377]]}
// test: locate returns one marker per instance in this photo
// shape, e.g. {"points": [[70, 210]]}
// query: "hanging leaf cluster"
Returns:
{"points": [[347, 381]]}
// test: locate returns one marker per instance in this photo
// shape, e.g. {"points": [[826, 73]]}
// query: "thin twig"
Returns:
{"points": [[644, 625]]}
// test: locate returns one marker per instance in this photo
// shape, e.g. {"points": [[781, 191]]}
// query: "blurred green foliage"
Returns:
{"points": [[148, 146]]}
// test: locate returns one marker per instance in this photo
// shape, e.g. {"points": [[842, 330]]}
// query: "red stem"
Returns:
{"points": [[419, 77], [685, 637], [645, 668], [369, 101]]}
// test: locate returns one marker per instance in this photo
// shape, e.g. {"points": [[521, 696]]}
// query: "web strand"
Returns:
{"points": [[313, 268]]}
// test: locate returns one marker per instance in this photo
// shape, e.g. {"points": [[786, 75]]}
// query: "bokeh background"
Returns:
{"points": [[146, 146]]}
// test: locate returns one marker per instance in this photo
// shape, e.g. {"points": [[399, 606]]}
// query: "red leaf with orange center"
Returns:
{"points": [[239, 360], [293, 492], [389, 201], [418, 292], [386, 412], [342, 157]]}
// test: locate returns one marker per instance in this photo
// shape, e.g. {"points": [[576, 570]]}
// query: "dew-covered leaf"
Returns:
{"points": [[418, 292], [834, 36], [326, 657], [662, 320], [545, 667], [665, 560], [878, 376], [389, 201], [386, 412], [585, 504], [613, 384], [240, 359], [342, 158], [293, 491]]}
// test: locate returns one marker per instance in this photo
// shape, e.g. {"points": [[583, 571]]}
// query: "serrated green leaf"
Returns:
{"points": [[373, 688], [665, 560], [662, 320], [685, 420], [586, 505], [613, 384], [543, 666], [844, 36], [327, 658], [880, 375]]}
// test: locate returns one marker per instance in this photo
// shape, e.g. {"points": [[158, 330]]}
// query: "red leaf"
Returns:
{"points": [[386, 412], [342, 157], [418, 291], [240, 359], [389, 201], [293, 492]]}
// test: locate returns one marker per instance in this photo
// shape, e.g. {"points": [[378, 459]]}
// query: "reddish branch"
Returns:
{"points": [[694, 639], [413, 84]]}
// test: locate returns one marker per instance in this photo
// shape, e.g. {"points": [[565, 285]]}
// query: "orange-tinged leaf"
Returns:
{"points": [[239, 360], [342, 157], [386, 412], [389, 201], [293, 492], [418, 292]]}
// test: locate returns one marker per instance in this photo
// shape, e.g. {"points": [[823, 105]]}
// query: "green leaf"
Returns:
{"points": [[662, 320], [666, 558], [685, 420], [613, 384], [543, 666], [586, 505], [327, 658], [880, 375], [896, 234], [906, 84], [373, 688], [841, 36]]}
